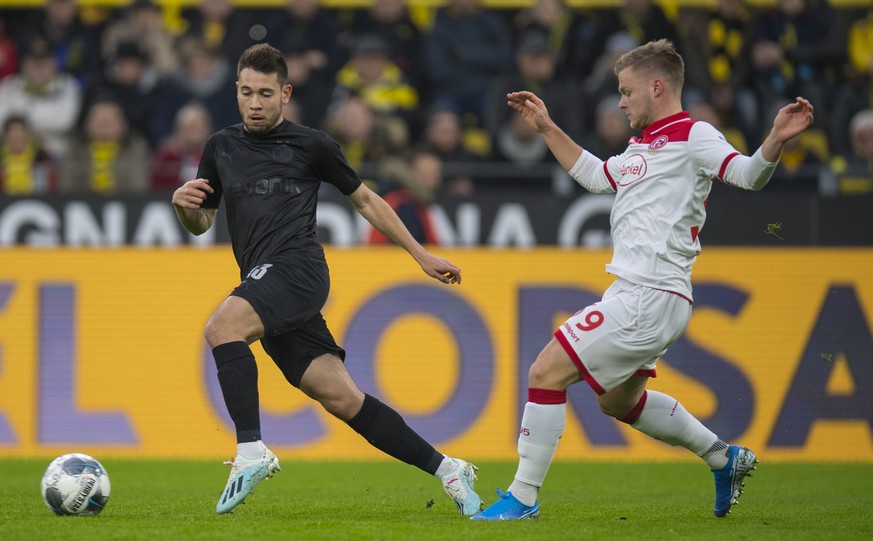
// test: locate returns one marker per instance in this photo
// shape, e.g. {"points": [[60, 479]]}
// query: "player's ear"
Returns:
{"points": [[657, 87], [286, 93]]}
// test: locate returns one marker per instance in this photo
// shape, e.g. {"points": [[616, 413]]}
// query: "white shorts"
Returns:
{"points": [[624, 334]]}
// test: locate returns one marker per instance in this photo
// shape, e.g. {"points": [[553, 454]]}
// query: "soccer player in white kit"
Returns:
{"points": [[660, 183]]}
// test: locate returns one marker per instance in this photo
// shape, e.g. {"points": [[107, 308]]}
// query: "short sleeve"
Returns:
{"points": [[209, 171], [710, 149], [330, 164]]}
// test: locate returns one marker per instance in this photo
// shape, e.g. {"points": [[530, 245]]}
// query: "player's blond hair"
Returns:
{"points": [[656, 59]]}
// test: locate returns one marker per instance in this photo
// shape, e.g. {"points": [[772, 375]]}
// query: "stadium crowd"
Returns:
{"points": [[112, 101]]}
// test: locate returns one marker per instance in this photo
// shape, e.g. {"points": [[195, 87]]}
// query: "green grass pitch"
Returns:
{"points": [[175, 500]]}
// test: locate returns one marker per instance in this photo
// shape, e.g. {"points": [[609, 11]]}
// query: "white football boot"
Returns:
{"points": [[245, 474], [458, 484]]}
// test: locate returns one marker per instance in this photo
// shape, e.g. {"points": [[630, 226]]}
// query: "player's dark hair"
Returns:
{"points": [[655, 58], [264, 58]]}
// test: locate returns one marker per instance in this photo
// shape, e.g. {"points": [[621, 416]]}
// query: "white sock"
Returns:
{"points": [[447, 466], [664, 418], [717, 455], [542, 425], [251, 449]]}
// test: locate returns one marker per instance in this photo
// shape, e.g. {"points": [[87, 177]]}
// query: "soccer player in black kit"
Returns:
{"points": [[269, 170]]}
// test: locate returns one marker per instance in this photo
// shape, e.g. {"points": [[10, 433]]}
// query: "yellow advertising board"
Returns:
{"points": [[102, 351]]}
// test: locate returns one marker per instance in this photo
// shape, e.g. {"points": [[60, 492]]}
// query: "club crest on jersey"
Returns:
{"points": [[659, 142], [633, 169], [283, 153]]}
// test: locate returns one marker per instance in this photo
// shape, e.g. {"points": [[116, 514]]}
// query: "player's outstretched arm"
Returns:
{"points": [[385, 220], [535, 113], [187, 200], [790, 122]]}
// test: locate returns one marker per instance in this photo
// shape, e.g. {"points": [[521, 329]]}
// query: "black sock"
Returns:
{"points": [[386, 430], [238, 377]]}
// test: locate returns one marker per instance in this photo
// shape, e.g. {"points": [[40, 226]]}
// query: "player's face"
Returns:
{"points": [[260, 99], [636, 98]]}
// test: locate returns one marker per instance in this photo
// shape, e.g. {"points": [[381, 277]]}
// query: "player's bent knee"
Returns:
{"points": [[343, 407], [614, 406], [538, 374], [622, 406], [221, 330], [212, 334], [552, 372], [608, 409], [217, 334]]}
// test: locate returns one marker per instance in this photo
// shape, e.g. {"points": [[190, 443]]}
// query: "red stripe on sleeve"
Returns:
{"points": [[608, 176], [725, 163]]}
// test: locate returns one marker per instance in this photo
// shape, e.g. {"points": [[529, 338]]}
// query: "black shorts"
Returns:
{"points": [[288, 295]]}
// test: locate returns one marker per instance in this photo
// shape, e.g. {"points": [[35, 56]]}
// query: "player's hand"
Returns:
{"points": [[442, 269], [192, 194], [531, 108], [792, 119]]}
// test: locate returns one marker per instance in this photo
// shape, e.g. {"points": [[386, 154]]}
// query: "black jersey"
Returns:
{"points": [[270, 185]]}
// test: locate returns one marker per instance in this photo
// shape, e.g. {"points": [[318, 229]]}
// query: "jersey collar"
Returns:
{"points": [[653, 128], [274, 129]]}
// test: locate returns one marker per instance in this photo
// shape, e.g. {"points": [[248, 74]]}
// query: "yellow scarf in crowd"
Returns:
{"points": [[18, 171], [103, 156]]}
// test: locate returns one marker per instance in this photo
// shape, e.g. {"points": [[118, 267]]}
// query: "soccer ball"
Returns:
{"points": [[75, 484]]}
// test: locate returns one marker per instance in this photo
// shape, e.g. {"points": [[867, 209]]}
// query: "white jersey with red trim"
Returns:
{"points": [[661, 184]]}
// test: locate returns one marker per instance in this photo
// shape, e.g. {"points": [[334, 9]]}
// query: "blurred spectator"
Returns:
{"points": [[291, 111], [25, 168], [221, 27], [364, 136], [642, 20], [309, 34], [717, 43], [517, 143], [798, 49], [716, 47], [444, 137], [49, 99], [705, 111], [467, 47], [205, 77], [390, 19], [536, 70], [175, 161], [127, 79], [107, 158], [803, 162], [142, 23], [569, 33], [382, 85], [856, 91], [8, 52], [409, 188], [611, 130], [854, 171], [74, 44], [860, 42], [602, 82], [311, 93]]}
